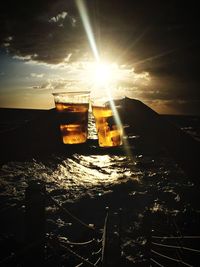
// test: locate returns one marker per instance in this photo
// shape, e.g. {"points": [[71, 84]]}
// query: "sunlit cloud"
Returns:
{"points": [[9, 38], [59, 84], [47, 85], [171, 106], [51, 34], [6, 44], [90, 75], [24, 58], [60, 18], [57, 44], [37, 75]]}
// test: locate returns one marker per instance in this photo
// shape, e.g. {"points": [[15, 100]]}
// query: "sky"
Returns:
{"points": [[151, 49]]}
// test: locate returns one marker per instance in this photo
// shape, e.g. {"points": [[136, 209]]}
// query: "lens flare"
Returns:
{"points": [[103, 73], [88, 29]]}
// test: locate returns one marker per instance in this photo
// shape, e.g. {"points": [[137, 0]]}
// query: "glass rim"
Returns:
{"points": [[107, 99], [71, 93]]}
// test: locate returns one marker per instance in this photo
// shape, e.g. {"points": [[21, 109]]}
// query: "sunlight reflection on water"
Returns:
{"points": [[95, 181], [76, 174], [92, 175]]}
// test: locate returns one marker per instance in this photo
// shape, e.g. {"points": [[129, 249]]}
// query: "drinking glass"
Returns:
{"points": [[107, 121], [72, 113]]}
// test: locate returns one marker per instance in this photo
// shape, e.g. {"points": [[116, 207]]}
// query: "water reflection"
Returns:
{"points": [[92, 175], [92, 182], [77, 174]]}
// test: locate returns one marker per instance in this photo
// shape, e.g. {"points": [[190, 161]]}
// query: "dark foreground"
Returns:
{"points": [[151, 183]]}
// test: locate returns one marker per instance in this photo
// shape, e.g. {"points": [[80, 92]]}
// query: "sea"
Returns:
{"points": [[148, 197]]}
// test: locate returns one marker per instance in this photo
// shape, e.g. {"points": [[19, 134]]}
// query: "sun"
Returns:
{"points": [[102, 74]]}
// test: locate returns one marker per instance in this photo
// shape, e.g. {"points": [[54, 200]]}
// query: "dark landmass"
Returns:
{"points": [[188, 123], [158, 133]]}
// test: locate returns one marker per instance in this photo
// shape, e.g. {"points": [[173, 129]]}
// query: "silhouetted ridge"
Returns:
{"points": [[159, 133]]}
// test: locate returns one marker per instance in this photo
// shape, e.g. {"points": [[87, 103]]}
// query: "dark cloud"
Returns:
{"points": [[175, 106], [161, 37], [43, 31], [157, 36]]}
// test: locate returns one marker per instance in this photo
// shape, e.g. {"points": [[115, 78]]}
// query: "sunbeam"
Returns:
{"points": [[102, 74], [87, 26]]}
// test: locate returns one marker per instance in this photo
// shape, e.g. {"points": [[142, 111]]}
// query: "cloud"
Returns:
{"points": [[46, 86], [47, 32], [174, 106], [61, 18], [58, 18], [158, 38], [37, 75]]}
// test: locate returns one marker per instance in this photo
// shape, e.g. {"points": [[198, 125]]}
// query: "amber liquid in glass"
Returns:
{"points": [[109, 132], [73, 121]]}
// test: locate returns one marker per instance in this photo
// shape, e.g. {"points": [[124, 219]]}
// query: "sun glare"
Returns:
{"points": [[102, 74]]}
